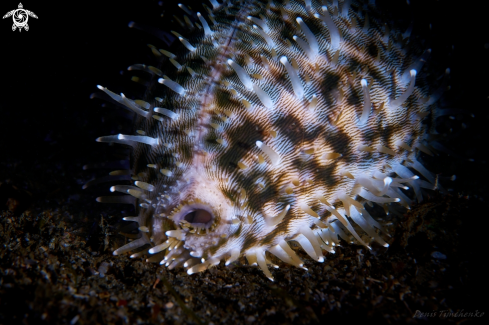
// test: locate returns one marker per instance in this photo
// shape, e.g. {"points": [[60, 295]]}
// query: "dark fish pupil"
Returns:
{"points": [[198, 216]]}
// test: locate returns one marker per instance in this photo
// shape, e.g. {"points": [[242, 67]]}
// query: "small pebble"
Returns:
{"points": [[438, 256]]}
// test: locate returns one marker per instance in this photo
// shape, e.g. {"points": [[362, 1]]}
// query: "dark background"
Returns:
{"points": [[48, 123]]}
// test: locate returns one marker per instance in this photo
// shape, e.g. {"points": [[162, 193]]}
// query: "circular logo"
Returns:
{"points": [[20, 17]]}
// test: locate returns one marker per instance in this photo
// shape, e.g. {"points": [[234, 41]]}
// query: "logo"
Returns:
{"points": [[20, 17]]}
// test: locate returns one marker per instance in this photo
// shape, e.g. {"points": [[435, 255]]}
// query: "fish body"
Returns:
{"points": [[275, 122]]}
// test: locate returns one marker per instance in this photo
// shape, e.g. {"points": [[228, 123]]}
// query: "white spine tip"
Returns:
{"points": [[139, 138], [207, 29], [293, 77], [298, 19], [187, 44], [172, 85], [215, 4], [333, 29], [366, 102], [263, 96], [265, 36], [100, 87], [399, 101], [242, 74], [272, 154], [112, 189], [166, 172]]}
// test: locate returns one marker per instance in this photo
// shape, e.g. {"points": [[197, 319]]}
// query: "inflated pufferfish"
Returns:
{"points": [[276, 122]]}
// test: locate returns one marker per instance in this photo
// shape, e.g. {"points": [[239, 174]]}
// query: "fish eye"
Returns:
{"points": [[198, 216], [195, 217]]}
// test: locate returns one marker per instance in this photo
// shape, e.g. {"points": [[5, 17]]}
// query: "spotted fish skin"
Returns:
{"points": [[273, 123]]}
